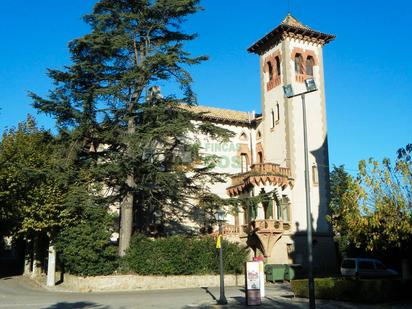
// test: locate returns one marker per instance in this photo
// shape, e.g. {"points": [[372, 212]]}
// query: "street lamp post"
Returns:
{"points": [[288, 91], [220, 218]]}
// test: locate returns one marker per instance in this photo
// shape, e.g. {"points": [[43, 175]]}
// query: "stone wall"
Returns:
{"points": [[135, 282]]}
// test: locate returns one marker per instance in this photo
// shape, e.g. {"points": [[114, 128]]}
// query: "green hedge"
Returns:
{"points": [[179, 255], [364, 290], [85, 249]]}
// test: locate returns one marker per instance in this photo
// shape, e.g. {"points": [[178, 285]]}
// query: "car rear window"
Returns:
{"points": [[348, 264], [366, 265]]}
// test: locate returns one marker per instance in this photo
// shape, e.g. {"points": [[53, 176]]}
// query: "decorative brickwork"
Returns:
{"points": [[272, 66], [300, 78]]}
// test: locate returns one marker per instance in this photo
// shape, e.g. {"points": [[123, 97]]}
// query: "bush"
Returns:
{"points": [[179, 255], [85, 249], [364, 290]]}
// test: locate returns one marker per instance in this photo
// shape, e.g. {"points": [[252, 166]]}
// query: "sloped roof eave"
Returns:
{"points": [[259, 45]]}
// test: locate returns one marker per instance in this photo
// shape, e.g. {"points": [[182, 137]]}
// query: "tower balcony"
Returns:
{"points": [[261, 173]]}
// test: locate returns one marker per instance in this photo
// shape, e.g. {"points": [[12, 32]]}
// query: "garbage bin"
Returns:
{"points": [[275, 272], [293, 271]]}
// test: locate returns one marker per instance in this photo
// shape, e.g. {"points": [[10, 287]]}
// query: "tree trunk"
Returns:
{"points": [[36, 270], [28, 258], [51, 266], [126, 220], [126, 208]]}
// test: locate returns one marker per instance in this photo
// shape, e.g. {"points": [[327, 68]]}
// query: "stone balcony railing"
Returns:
{"points": [[231, 229], [262, 226], [268, 226], [260, 173]]}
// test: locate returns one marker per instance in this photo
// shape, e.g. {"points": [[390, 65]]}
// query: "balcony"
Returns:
{"points": [[267, 232], [268, 226], [262, 173], [262, 226]]}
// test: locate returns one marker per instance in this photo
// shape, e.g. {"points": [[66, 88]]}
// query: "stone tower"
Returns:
{"points": [[290, 54]]}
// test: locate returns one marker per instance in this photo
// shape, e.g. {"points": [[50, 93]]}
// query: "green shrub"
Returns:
{"points": [[364, 290], [179, 255], [85, 248]]}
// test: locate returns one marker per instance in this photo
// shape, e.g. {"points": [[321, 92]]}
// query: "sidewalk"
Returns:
{"points": [[280, 296]]}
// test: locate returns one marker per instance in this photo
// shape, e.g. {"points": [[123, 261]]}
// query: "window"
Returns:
{"points": [[277, 62], [285, 209], [267, 204], [309, 66], [273, 118], [260, 157], [267, 208], [299, 64], [277, 112], [348, 264], [243, 136], [365, 265], [270, 69], [278, 211], [243, 163], [315, 175], [290, 248], [259, 134]]}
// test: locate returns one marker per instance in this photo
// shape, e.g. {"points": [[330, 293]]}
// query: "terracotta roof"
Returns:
{"points": [[289, 20], [291, 26], [220, 114]]}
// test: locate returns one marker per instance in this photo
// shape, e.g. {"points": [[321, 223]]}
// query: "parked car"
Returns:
{"points": [[366, 268]]}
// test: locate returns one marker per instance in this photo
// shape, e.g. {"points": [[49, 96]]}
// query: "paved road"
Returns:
{"points": [[20, 292]]}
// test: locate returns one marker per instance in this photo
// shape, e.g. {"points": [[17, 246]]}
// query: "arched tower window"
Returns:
{"points": [[310, 62], [270, 69], [277, 62], [243, 163], [243, 136], [299, 63]]}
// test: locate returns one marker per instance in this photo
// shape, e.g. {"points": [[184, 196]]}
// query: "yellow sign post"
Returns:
{"points": [[218, 242]]}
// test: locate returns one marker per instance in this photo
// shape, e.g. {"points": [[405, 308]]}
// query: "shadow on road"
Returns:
{"points": [[77, 305], [208, 292]]}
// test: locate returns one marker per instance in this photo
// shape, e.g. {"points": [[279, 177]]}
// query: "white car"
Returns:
{"points": [[365, 268]]}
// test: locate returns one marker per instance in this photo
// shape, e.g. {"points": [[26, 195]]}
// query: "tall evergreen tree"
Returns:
{"points": [[118, 123]]}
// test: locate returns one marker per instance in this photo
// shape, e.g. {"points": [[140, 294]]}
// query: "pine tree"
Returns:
{"points": [[119, 125]]}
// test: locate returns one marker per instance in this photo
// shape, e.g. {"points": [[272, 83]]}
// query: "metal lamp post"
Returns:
{"points": [[220, 218], [288, 91]]}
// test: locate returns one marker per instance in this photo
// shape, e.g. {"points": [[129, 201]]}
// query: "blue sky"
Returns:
{"points": [[367, 68]]}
